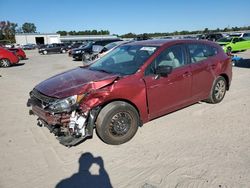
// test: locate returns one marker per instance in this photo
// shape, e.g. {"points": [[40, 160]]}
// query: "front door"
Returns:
{"points": [[168, 93]]}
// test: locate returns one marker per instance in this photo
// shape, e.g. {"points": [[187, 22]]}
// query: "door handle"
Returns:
{"points": [[154, 86], [186, 74]]}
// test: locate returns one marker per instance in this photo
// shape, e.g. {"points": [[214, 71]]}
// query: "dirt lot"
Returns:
{"points": [[202, 145]]}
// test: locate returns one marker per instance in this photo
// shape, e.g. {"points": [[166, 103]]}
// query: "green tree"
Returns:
{"points": [[8, 30], [206, 30], [62, 33], [29, 28], [129, 35]]}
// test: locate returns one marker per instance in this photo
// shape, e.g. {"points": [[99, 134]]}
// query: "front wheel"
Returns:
{"points": [[4, 63], [117, 122], [218, 90], [45, 52]]}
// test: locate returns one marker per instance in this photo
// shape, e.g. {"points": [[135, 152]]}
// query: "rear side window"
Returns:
{"points": [[200, 52]]}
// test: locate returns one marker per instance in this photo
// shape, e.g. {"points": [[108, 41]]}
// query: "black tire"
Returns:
{"points": [[5, 63], [229, 49], [45, 52], [63, 51], [218, 90], [117, 123]]}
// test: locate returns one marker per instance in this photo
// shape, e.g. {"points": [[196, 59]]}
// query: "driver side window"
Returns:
{"points": [[173, 56]]}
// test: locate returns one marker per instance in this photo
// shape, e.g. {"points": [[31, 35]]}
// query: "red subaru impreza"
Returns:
{"points": [[130, 86]]}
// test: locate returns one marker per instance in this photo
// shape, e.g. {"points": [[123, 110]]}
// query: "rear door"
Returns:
{"points": [[165, 94], [202, 66]]}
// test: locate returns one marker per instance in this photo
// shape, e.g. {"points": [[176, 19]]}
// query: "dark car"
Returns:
{"points": [[135, 83], [211, 36], [75, 45], [19, 52], [7, 58], [53, 48], [29, 47], [86, 51]]}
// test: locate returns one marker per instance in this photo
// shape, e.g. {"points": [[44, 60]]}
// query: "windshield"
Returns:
{"points": [[110, 45], [228, 39], [124, 60]]}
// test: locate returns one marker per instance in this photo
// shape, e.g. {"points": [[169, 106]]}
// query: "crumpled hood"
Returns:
{"points": [[76, 81]]}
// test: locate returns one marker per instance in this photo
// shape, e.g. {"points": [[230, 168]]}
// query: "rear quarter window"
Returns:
{"points": [[200, 52]]}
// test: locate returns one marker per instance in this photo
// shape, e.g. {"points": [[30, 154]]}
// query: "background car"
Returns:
{"points": [[85, 52], [7, 58], [211, 36], [53, 48], [234, 44], [19, 52], [29, 47]]}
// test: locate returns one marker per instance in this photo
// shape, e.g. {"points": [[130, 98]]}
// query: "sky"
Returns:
{"points": [[124, 16]]}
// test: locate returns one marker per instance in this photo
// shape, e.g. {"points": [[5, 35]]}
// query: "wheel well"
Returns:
{"points": [[227, 80]]}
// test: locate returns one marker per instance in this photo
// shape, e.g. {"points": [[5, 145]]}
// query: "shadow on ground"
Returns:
{"points": [[18, 65], [83, 178], [243, 63]]}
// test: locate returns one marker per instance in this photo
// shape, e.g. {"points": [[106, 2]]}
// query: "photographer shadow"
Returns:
{"points": [[84, 178]]}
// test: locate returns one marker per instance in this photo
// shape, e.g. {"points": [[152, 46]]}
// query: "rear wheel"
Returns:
{"points": [[63, 51], [218, 90], [5, 63], [117, 122]]}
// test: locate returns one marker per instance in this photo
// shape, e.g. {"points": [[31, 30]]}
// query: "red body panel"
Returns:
{"points": [[19, 52], [6, 54]]}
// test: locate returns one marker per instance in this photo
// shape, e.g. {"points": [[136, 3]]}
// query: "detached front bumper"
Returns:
{"points": [[51, 119], [71, 128]]}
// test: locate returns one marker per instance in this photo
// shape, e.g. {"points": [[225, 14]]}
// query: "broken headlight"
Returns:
{"points": [[64, 105]]}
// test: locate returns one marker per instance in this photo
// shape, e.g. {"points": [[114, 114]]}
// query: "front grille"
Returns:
{"points": [[40, 99]]}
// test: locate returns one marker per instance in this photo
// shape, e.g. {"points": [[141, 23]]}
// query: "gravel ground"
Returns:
{"points": [[202, 145]]}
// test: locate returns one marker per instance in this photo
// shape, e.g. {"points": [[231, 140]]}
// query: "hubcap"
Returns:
{"points": [[4, 62], [220, 90], [87, 56], [120, 124]]}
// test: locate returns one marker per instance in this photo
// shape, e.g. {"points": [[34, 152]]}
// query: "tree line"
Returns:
{"points": [[9, 29], [86, 32], [185, 32]]}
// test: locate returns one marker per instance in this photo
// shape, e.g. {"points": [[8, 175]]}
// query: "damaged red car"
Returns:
{"points": [[131, 85]]}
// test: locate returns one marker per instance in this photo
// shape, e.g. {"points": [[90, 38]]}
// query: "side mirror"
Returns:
{"points": [[163, 70]]}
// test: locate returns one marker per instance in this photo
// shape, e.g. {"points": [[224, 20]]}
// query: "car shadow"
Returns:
{"points": [[84, 178], [76, 59], [18, 65], [243, 63]]}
